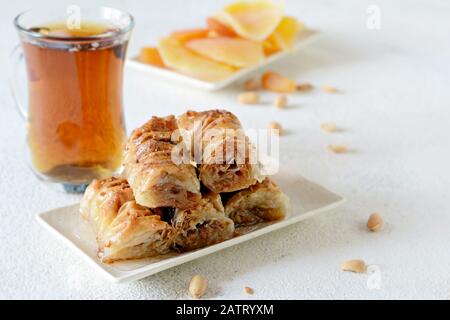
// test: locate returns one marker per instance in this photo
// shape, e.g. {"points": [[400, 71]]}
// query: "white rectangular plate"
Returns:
{"points": [[305, 37], [307, 199]]}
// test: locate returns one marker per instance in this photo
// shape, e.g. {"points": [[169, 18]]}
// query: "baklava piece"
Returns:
{"points": [[224, 154], [204, 225], [261, 202], [124, 229], [156, 180]]}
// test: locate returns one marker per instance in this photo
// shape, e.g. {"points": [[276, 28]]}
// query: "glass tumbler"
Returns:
{"points": [[74, 59]]}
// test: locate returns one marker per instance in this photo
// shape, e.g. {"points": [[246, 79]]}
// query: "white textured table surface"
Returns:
{"points": [[395, 112]]}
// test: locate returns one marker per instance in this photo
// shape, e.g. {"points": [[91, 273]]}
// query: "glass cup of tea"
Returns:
{"points": [[74, 59]]}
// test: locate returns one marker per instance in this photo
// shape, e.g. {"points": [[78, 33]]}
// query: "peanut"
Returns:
{"points": [[358, 266], [305, 87], [251, 85], [275, 128], [329, 89], [337, 148], [375, 222], [328, 126], [250, 97], [198, 286], [248, 290], [281, 101]]}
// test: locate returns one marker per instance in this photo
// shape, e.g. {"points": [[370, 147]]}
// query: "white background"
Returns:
{"points": [[395, 113]]}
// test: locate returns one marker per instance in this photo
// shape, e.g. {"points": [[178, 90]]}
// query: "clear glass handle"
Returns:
{"points": [[16, 59]]}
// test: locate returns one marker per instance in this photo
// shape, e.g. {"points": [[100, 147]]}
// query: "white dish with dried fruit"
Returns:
{"points": [[190, 187], [228, 49]]}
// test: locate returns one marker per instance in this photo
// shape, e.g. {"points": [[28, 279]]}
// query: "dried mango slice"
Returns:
{"points": [[253, 20], [270, 47], [273, 81], [151, 56], [233, 51], [219, 28], [285, 35], [179, 58], [189, 34]]}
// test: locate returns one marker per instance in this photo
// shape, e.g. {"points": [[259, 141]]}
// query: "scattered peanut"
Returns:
{"points": [[358, 266], [248, 290], [305, 87], [329, 89], [198, 286], [281, 101], [328, 126], [250, 97], [275, 128], [375, 222], [337, 148], [251, 85]]}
